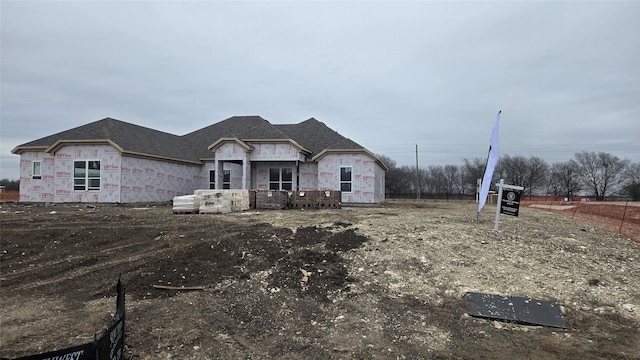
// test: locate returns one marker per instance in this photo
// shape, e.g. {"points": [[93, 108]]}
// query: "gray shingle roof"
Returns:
{"points": [[130, 137], [241, 127], [315, 136], [311, 134]]}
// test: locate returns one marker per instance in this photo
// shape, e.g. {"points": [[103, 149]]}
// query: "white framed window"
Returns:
{"points": [[281, 179], [212, 179], [36, 169], [87, 175], [226, 179], [346, 179]]}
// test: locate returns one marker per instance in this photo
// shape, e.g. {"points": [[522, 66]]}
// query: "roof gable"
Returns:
{"points": [[223, 141], [238, 127]]}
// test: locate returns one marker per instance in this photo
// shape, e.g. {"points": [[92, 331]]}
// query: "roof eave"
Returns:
{"points": [[159, 157], [20, 149], [61, 143]]}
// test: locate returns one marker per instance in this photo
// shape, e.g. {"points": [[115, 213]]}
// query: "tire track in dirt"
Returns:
{"points": [[65, 274], [100, 262]]}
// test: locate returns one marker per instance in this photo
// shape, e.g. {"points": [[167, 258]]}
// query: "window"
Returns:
{"points": [[280, 179], [86, 175], [345, 179], [36, 172], [226, 179]]}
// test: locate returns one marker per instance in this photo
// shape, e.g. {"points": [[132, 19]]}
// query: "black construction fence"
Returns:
{"points": [[110, 346], [428, 196]]}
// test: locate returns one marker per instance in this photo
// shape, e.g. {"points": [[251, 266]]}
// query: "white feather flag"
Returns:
{"points": [[494, 153]]}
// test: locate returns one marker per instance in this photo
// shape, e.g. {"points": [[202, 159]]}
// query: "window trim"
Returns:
{"points": [[86, 176], [350, 181], [37, 176]]}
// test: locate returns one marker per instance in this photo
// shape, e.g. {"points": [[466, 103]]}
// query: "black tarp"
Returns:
{"points": [[516, 309]]}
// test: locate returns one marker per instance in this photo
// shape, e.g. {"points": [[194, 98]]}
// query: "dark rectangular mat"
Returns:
{"points": [[517, 309]]}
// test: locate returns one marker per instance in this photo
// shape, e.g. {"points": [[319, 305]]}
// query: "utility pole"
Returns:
{"points": [[417, 176]]}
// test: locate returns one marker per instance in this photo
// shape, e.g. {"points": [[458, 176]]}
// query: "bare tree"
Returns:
{"points": [[538, 172], [399, 181], [396, 181], [436, 185], [474, 170], [601, 173], [563, 179], [513, 169], [389, 162], [404, 181], [530, 173], [462, 186], [451, 179]]}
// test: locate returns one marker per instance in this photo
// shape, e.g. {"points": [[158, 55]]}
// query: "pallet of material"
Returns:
{"points": [[316, 199], [299, 200], [272, 199], [186, 204], [329, 199], [223, 201], [252, 199]]}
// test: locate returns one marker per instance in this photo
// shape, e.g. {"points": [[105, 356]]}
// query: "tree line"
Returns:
{"points": [[599, 175], [10, 184]]}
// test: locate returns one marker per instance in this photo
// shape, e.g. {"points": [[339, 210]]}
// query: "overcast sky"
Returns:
{"points": [[388, 75]]}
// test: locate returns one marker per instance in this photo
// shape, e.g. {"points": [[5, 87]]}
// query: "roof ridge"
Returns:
{"points": [[127, 124], [267, 122]]}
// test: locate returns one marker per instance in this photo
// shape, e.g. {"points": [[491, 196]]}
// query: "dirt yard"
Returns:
{"points": [[383, 282]]}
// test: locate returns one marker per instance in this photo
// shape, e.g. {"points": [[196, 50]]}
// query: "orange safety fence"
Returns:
{"points": [[622, 217]]}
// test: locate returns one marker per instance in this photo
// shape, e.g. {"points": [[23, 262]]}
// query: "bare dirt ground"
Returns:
{"points": [[353, 283]]}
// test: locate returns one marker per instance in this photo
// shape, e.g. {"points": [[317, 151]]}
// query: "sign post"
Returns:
{"points": [[509, 205]]}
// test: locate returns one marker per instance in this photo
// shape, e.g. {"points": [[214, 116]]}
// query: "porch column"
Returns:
{"points": [[219, 165]]}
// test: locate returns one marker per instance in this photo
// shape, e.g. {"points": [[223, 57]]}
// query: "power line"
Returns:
{"points": [[510, 144]]}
